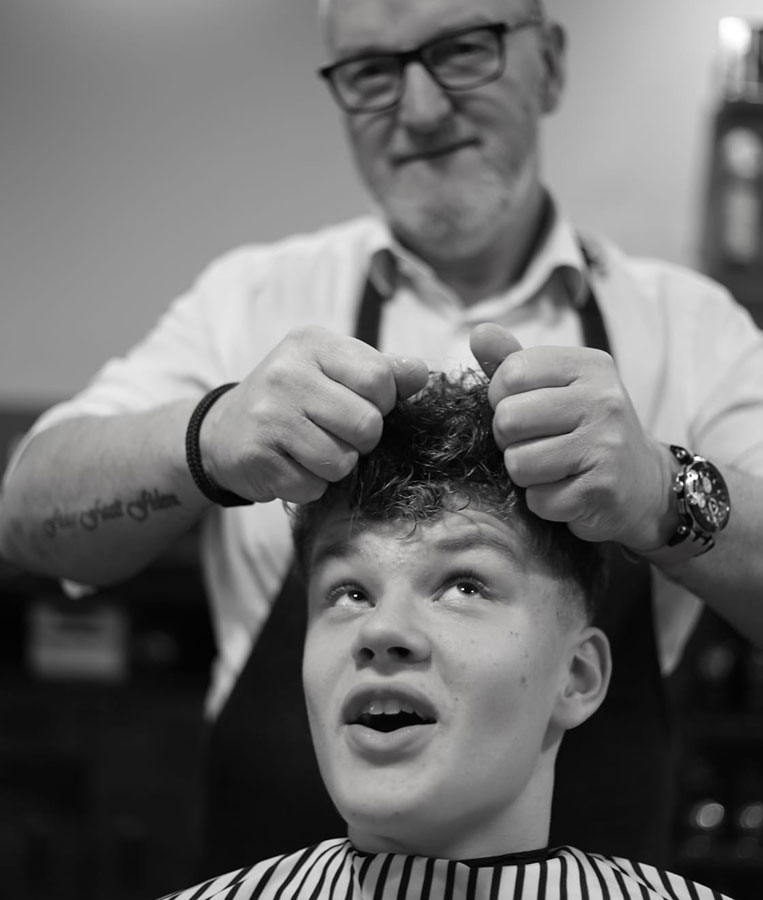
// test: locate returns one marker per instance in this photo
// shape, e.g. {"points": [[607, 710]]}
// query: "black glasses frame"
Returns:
{"points": [[420, 55]]}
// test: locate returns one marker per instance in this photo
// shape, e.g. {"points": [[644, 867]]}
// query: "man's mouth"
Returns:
{"points": [[431, 152]]}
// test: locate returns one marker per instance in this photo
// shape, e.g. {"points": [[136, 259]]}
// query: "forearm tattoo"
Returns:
{"points": [[146, 504]]}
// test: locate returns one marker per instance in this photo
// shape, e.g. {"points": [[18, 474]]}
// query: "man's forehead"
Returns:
{"points": [[354, 24]]}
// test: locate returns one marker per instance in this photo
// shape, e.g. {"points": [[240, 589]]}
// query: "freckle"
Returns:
{"points": [[523, 681]]}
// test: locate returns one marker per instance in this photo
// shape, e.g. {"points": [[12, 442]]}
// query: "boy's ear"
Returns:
{"points": [[587, 680]]}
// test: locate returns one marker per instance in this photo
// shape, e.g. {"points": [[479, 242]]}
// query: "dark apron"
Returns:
{"points": [[264, 794]]}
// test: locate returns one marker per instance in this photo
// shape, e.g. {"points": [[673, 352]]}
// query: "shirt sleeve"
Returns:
{"points": [[726, 382]]}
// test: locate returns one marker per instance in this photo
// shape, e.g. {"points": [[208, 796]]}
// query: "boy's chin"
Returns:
{"points": [[372, 809], [378, 822]]}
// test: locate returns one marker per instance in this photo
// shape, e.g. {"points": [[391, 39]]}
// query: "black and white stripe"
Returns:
{"points": [[334, 870]]}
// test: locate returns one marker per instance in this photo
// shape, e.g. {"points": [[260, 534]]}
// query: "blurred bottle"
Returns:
{"points": [[747, 814], [718, 671], [732, 245], [702, 818], [754, 679]]}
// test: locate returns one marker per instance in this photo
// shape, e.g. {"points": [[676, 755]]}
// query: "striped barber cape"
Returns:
{"points": [[335, 870]]}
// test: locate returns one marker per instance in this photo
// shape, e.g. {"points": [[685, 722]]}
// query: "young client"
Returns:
{"points": [[448, 649]]}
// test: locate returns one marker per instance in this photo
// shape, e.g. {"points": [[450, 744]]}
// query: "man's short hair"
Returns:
{"points": [[535, 7], [437, 454]]}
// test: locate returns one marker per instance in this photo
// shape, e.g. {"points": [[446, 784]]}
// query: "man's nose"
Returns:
{"points": [[424, 104], [391, 633]]}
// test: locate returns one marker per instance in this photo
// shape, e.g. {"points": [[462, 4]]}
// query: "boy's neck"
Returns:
{"points": [[523, 828]]}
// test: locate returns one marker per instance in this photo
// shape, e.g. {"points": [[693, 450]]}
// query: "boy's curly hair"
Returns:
{"points": [[437, 454]]}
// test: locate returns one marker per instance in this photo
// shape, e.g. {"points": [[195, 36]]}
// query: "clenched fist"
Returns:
{"points": [[303, 415], [571, 437]]}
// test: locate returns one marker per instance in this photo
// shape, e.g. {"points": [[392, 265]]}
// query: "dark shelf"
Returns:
{"points": [[100, 770], [737, 728]]}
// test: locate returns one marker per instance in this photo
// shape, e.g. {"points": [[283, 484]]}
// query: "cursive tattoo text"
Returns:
{"points": [[93, 517]]}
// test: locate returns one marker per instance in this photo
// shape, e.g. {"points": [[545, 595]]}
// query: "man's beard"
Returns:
{"points": [[448, 219]]}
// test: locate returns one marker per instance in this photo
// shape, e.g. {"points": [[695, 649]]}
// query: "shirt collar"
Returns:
{"points": [[558, 255]]}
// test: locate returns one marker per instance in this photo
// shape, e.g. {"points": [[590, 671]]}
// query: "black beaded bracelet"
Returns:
{"points": [[203, 482]]}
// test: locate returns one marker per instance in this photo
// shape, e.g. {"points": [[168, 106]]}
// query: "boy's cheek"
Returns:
{"points": [[320, 670]]}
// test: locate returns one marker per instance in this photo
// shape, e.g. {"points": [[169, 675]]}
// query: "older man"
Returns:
{"points": [[442, 102]]}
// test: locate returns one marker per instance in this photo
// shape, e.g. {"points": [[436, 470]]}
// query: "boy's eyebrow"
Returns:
{"points": [[465, 542], [324, 553], [451, 544]]}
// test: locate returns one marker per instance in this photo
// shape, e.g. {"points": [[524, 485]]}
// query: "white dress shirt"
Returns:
{"points": [[690, 357]]}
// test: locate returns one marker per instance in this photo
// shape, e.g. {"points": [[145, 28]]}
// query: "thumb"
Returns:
{"points": [[410, 373], [490, 344]]}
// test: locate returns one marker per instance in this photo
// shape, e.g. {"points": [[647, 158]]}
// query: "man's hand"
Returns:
{"points": [[570, 435], [303, 415]]}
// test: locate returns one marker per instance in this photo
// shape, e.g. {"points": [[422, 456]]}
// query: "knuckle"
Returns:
{"points": [[367, 430], [503, 422], [516, 463], [344, 465], [537, 502], [278, 380], [611, 402], [512, 374], [376, 383], [337, 466]]}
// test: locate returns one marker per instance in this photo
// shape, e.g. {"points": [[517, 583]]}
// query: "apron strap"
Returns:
{"points": [[368, 322]]}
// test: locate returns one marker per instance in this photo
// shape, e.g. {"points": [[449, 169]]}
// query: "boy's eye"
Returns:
{"points": [[461, 589], [347, 596]]}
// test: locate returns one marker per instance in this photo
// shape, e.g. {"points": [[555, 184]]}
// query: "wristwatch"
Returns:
{"points": [[702, 499]]}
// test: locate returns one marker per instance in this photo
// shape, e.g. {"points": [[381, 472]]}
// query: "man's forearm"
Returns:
{"points": [[729, 578], [98, 498]]}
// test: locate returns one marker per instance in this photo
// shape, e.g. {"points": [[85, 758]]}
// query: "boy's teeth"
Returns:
{"points": [[389, 706]]}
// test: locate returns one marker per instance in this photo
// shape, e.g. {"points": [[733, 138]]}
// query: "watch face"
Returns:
{"points": [[706, 496]]}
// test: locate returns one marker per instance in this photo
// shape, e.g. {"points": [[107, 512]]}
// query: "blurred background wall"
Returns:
{"points": [[140, 138]]}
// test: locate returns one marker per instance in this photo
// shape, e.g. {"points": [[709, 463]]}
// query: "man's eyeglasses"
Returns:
{"points": [[458, 61]]}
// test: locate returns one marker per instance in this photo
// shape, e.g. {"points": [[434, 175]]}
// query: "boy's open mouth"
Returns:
{"points": [[388, 711], [392, 721]]}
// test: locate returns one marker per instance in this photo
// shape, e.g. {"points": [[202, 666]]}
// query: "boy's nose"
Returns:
{"points": [[424, 104], [390, 633]]}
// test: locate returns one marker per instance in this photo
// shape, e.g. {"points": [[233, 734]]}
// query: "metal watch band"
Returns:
{"points": [[203, 482]]}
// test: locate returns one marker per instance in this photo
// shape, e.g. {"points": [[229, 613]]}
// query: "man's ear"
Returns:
{"points": [[587, 681], [554, 45]]}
